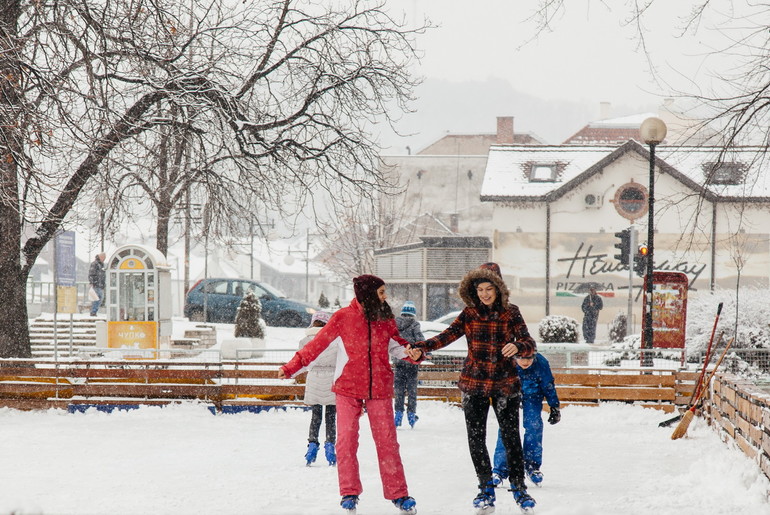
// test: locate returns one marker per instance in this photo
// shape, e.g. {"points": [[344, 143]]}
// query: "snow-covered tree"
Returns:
{"points": [[248, 319], [272, 99], [323, 302]]}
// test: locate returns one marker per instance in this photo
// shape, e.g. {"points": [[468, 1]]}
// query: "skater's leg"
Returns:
{"points": [[348, 413], [500, 466], [380, 413], [507, 412], [315, 422], [533, 434], [476, 409], [411, 389], [331, 423]]}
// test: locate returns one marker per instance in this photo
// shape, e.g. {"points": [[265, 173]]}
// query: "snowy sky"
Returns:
{"points": [[591, 55]]}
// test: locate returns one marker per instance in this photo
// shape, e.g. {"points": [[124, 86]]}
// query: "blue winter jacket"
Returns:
{"points": [[537, 382]]}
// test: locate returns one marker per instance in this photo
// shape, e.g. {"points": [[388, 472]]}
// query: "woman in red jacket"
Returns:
{"points": [[363, 332], [496, 334]]}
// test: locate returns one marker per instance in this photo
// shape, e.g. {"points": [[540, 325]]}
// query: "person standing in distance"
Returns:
{"points": [[592, 304], [96, 278]]}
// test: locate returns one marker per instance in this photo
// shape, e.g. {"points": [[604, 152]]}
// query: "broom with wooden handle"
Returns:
{"points": [[681, 429], [697, 387]]}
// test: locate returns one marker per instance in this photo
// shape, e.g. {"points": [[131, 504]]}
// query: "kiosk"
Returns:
{"points": [[138, 301]]}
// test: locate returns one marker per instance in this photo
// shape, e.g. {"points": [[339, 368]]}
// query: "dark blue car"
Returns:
{"points": [[222, 296]]}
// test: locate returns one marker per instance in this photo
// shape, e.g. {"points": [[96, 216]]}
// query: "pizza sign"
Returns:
{"points": [[631, 200]]}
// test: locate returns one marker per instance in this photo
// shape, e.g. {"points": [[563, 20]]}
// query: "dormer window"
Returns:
{"points": [[542, 173], [724, 173]]}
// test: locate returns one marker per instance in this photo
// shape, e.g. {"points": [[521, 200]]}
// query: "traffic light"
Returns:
{"points": [[624, 245], [640, 259]]}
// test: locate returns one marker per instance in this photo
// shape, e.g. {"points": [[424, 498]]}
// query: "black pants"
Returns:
{"points": [[405, 385], [476, 409], [331, 423]]}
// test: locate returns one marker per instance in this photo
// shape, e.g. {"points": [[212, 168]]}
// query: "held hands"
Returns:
{"points": [[413, 352], [555, 416], [510, 350]]}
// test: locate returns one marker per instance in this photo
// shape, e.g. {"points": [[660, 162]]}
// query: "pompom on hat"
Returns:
{"points": [[409, 308], [320, 316], [365, 286], [493, 267]]}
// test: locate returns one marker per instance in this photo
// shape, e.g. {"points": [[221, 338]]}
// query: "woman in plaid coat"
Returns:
{"points": [[496, 333]]}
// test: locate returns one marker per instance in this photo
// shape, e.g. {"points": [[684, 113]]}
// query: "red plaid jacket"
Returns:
{"points": [[485, 370]]}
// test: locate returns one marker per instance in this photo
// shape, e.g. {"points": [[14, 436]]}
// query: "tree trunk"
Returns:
{"points": [[14, 333]]}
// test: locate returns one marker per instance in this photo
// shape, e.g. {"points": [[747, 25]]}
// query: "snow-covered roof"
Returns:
{"points": [[506, 176]]}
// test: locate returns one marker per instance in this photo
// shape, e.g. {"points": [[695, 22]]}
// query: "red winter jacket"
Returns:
{"points": [[367, 373]]}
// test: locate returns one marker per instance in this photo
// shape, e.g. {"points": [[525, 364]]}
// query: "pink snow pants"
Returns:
{"points": [[380, 412]]}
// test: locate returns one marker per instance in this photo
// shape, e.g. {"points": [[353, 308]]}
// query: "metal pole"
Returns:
{"points": [[632, 243], [307, 266], [647, 361]]}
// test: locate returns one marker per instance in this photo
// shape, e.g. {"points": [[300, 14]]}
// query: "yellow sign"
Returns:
{"points": [[133, 335], [132, 264], [66, 299]]}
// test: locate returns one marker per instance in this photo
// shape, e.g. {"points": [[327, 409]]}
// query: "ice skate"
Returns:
{"points": [[349, 504], [484, 502], [331, 454], [397, 419], [497, 480], [406, 505], [536, 477], [524, 500], [312, 452], [413, 418]]}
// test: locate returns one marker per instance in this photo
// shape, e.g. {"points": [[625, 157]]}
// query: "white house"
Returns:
{"points": [[557, 209]]}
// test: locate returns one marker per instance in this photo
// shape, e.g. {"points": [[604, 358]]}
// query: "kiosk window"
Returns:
{"points": [[132, 296]]}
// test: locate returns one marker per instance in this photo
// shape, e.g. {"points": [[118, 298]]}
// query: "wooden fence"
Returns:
{"points": [[740, 411], [33, 384]]}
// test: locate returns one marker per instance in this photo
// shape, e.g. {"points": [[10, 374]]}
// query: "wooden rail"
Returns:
{"points": [[33, 384]]}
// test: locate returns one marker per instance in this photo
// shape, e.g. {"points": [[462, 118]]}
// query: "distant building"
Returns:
{"points": [[557, 209], [443, 183]]}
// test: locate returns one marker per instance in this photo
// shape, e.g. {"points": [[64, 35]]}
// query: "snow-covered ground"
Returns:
{"points": [[609, 460]]}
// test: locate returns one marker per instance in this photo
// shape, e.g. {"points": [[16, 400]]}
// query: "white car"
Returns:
{"points": [[431, 328]]}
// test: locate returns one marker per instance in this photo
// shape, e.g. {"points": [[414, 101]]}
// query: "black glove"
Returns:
{"points": [[555, 416]]}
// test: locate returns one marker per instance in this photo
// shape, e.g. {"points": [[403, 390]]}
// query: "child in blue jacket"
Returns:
{"points": [[536, 383]]}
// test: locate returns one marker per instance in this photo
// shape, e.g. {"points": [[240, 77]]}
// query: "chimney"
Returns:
{"points": [[605, 108], [505, 130]]}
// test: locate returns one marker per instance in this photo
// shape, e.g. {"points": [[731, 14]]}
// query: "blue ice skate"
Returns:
{"points": [[349, 504], [524, 500], [406, 505], [535, 476], [484, 502], [312, 452], [497, 479], [397, 418], [331, 454], [413, 418]]}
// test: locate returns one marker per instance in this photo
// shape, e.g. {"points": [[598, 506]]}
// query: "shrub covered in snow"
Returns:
{"points": [[618, 328], [248, 319], [558, 329]]}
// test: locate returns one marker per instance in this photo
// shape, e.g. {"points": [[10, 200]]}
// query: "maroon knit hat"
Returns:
{"points": [[493, 267], [365, 287]]}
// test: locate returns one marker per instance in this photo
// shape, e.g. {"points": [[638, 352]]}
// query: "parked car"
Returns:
{"points": [[222, 296]]}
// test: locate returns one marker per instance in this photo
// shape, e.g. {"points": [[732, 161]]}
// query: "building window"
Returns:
{"points": [[542, 173], [724, 173]]}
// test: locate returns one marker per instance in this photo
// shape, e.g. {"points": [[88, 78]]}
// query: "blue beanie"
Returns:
{"points": [[409, 308]]}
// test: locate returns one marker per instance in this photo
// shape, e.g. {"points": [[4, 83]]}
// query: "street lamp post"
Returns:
{"points": [[653, 131]]}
